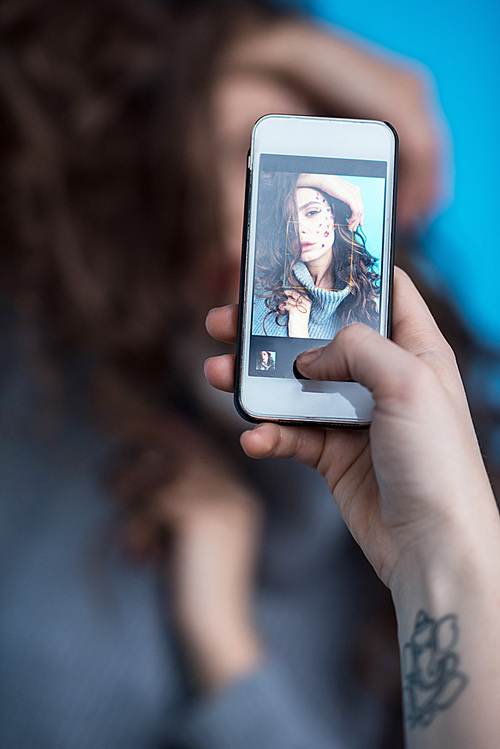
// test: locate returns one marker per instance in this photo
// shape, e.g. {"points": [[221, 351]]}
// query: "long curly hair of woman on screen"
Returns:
{"points": [[280, 251]]}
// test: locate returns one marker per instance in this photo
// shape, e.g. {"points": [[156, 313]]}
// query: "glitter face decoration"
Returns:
{"points": [[316, 224]]}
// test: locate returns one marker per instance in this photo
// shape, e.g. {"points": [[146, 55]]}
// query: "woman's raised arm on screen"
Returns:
{"points": [[338, 188]]}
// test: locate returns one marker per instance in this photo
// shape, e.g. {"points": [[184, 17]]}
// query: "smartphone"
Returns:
{"points": [[317, 255]]}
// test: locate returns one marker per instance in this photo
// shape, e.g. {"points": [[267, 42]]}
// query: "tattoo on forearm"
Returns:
{"points": [[432, 681]]}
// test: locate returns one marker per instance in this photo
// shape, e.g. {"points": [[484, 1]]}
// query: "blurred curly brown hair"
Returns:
{"points": [[98, 101]]}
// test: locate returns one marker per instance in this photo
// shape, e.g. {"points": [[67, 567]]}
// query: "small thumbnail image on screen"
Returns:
{"points": [[265, 361]]}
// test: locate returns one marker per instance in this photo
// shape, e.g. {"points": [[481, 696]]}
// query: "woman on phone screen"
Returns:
{"points": [[314, 273], [266, 360]]}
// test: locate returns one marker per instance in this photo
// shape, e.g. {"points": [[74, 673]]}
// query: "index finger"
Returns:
{"points": [[222, 323], [356, 220]]}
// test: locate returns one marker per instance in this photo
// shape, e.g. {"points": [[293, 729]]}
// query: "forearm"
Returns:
{"points": [[328, 183], [448, 609]]}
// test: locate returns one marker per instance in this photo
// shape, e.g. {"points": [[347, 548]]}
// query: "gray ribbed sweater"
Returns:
{"points": [[323, 322]]}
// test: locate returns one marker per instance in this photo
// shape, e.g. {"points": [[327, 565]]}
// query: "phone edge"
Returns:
{"points": [[241, 316]]}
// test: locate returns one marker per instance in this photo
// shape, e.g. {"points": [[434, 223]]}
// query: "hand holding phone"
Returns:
{"points": [[420, 458], [416, 497], [317, 256]]}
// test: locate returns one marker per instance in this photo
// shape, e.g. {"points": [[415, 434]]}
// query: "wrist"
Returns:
{"points": [[298, 330], [448, 611], [455, 574], [452, 555]]}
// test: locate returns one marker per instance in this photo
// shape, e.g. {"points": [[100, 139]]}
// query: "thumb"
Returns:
{"points": [[361, 354]]}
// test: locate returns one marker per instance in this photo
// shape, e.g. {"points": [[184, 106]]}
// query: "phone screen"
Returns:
{"points": [[318, 245]]}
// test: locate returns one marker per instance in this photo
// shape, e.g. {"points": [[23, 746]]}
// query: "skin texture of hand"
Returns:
{"points": [[338, 188], [399, 483], [212, 521], [298, 307]]}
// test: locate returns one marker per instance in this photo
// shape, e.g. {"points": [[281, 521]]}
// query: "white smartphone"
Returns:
{"points": [[317, 255]]}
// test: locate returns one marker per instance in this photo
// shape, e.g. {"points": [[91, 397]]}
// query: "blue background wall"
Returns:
{"points": [[459, 42]]}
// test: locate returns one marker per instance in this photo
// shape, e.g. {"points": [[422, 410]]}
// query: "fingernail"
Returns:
{"points": [[307, 357]]}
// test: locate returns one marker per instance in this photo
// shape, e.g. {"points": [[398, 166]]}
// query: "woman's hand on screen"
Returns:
{"points": [[298, 306], [340, 189]]}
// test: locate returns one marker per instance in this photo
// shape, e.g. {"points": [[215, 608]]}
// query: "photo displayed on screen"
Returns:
{"points": [[319, 241], [266, 361]]}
